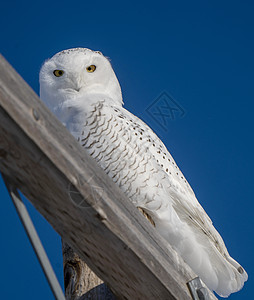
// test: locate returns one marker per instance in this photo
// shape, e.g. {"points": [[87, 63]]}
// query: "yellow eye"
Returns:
{"points": [[91, 69], [58, 73]]}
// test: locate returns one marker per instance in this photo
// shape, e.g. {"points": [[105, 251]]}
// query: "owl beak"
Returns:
{"points": [[76, 87], [76, 83]]}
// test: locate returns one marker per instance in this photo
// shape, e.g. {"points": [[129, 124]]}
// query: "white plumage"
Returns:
{"points": [[81, 89]]}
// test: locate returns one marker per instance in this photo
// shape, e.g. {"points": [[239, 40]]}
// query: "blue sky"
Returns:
{"points": [[200, 53]]}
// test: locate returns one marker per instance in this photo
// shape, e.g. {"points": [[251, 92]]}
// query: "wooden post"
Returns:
{"points": [[81, 202], [80, 281]]}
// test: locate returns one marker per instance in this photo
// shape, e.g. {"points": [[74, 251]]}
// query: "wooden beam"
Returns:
{"points": [[82, 203]]}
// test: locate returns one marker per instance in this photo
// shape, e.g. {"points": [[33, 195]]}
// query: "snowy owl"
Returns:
{"points": [[80, 87]]}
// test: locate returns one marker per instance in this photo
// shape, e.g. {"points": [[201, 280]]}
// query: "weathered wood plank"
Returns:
{"points": [[81, 203]]}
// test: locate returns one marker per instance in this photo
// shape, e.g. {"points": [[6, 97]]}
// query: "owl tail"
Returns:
{"points": [[221, 273], [231, 276]]}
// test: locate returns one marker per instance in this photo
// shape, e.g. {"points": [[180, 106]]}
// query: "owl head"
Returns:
{"points": [[80, 74]]}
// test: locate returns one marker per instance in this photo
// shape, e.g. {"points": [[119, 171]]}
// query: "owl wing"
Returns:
{"points": [[181, 194]]}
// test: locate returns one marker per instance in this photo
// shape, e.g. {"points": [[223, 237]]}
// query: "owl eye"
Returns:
{"points": [[58, 73], [91, 69]]}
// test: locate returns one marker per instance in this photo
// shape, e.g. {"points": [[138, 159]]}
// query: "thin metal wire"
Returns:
{"points": [[35, 240]]}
